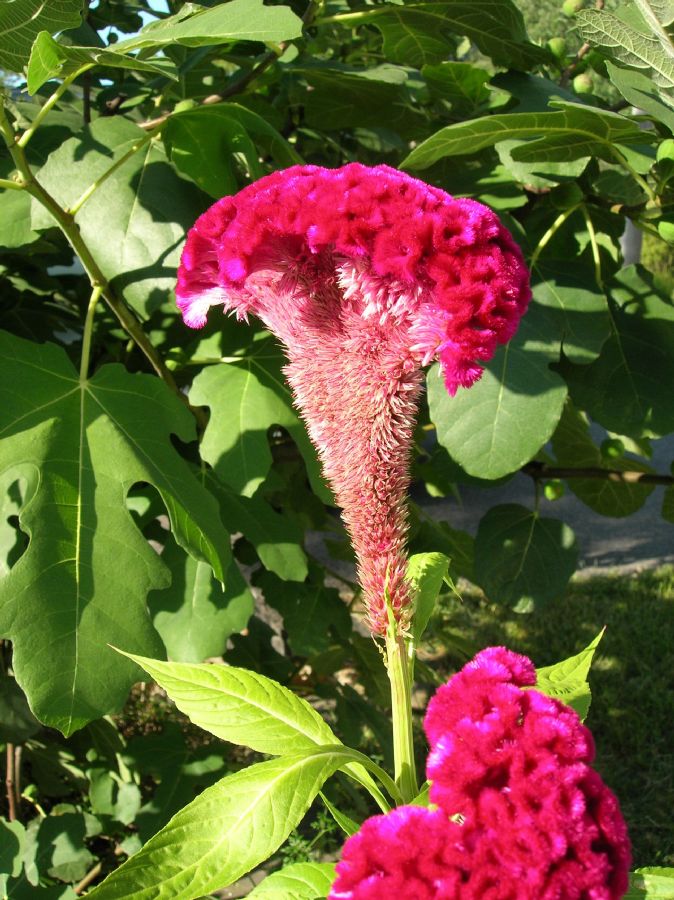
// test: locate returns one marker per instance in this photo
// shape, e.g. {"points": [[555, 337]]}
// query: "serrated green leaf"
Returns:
{"points": [[194, 616], [503, 420], [567, 680], [301, 881], [649, 50], [521, 558], [573, 446], [49, 59], [136, 221], [572, 132], [22, 20], [426, 573], [203, 142], [651, 883], [246, 398], [84, 578], [237, 20], [248, 815], [346, 823], [628, 388], [419, 33], [241, 706]]}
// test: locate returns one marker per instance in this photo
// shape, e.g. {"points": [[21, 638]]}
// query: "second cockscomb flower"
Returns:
{"points": [[365, 275]]}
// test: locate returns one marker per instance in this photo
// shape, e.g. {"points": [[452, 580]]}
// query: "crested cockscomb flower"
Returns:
{"points": [[520, 813], [365, 275]]}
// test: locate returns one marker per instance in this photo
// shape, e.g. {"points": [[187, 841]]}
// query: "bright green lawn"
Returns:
{"points": [[632, 679]]}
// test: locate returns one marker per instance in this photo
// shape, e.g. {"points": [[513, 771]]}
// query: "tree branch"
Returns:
{"points": [[542, 472]]}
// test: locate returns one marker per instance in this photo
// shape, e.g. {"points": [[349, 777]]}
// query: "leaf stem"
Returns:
{"points": [[82, 199], [399, 673], [10, 185], [595, 247], [550, 233], [9, 782], [66, 222], [643, 184], [50, 103], [88, 328]]}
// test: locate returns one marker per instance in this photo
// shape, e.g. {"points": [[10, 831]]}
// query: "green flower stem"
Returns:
{"points": [[79, 203], [400, 676], [49, 104], [66, 222], [88, 328]]}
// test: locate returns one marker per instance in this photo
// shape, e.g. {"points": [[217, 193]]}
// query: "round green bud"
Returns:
{"points": [[582, 84]]}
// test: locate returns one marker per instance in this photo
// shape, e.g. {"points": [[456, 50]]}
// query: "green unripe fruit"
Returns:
{"points": [[553, 490], [571, 7], [582, 84], [612, 448], [557, 46]]}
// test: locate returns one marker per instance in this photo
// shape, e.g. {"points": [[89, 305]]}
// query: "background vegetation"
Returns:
{"points": [[141, 464]]}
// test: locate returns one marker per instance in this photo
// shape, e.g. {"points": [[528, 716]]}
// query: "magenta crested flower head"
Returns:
{"points": [[365, 275], [519, 813]]}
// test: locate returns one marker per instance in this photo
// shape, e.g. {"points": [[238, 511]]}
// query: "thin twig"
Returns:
{"points": [[582, 52], [91, 875], [9, 782], [541, 472]]}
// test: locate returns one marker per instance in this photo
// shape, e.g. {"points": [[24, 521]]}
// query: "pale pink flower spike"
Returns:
{"points": [[366, 275]]}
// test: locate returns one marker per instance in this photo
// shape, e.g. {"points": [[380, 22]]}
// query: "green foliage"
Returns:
{"points": [[302, 881], [118, 497]]}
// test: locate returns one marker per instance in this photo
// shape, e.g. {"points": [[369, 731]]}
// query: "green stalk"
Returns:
{"points": [[88, 329], [400, 677], [49, 104], [67, 224], [9, 185], [82, 199], [550, 233]]}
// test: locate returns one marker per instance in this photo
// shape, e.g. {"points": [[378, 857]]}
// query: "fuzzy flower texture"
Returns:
{"points": [[518, 813], [365, 275]]}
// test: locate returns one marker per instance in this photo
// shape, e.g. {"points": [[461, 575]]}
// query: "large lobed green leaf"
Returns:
{"points": [[22, 20], [628, 388], [230, 828], [246, 398], [79, 446], [503, 420], [573, 446], [237, 20], [419, 33], [136, 221], [569, 133], [646, 47], [521, 558], [49, 59], [206, 142]]}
